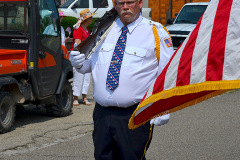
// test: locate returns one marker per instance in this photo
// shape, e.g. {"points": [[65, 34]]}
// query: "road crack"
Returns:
{"points": [[50, 138]]}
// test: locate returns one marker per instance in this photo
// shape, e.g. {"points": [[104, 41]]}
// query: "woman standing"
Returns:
{"points": [[63, 36], [81, 82]]}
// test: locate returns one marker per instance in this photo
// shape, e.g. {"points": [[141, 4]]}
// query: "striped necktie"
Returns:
{"points": [[117, 57]]}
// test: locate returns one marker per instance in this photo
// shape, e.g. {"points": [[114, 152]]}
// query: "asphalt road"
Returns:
{"points": [[207, 131]]}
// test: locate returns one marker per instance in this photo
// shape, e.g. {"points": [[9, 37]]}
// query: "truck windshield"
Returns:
{"points": [[190, 14], [81, 4], [13, 18], [67, 4], [100, 4]]}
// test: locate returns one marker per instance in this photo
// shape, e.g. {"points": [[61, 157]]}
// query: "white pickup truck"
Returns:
{"points": [[185, 22], [73, 7]]}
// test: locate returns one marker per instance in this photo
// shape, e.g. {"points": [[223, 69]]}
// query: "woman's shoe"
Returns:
{"points": [[86, 102], [75, 103]]}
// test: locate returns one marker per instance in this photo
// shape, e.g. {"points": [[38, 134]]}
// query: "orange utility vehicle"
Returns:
{"points": [[34, 66]]}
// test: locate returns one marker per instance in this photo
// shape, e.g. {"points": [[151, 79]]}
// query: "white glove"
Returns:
{"points": [[77, 59], [161, 120]]}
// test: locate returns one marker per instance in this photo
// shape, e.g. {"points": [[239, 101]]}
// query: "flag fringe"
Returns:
{"points": [[218, 86]]}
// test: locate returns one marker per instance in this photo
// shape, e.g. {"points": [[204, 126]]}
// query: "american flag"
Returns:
{"points": [[168, 42], [205, 65]]}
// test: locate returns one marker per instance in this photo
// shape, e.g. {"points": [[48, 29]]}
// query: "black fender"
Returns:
{"points": [[7, 81], [67, 73], [17, 90]]}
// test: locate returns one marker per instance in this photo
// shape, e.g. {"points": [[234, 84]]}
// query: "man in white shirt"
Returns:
{"points": [[115, 102]]}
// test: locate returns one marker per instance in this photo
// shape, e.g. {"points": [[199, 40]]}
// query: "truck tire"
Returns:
{"points": [[7, 112], [64, 103]]}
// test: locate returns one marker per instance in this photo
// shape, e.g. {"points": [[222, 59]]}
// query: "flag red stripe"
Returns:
{"points": [[144, 96], [159, 84], [184, 68], [166, 104], [215, 61]]}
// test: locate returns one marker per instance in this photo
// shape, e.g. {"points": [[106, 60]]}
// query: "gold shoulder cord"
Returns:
{"points": [[167, 31], [155, 32]]}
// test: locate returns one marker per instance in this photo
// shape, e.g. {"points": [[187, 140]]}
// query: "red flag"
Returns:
{"points": [[205, 65]]}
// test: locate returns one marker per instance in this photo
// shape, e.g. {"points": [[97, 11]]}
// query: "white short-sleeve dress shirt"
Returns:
{"points": [[139, 66]]}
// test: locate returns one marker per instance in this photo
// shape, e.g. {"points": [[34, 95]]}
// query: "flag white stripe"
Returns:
{"points": [[171, 77], [231, 69], [149, 93], [142, 109], [200, 56]]}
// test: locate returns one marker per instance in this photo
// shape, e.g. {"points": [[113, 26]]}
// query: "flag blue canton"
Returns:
{"points": [[116, 61]]}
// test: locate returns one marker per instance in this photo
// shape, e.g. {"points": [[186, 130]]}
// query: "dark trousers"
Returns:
{"points": [[112, 138]]}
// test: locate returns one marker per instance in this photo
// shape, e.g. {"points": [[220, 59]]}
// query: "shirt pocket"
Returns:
{"points": [[134, 57], [105, 53]]}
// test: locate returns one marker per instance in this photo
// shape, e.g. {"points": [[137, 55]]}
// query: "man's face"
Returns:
{"points": [[128, 10]]}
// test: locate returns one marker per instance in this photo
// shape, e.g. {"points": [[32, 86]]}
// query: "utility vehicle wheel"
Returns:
{"points": [[7, 112], [64, 102]]}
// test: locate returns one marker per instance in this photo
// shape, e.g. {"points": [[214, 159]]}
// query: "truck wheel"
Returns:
{"points": [[64, 102], [7, 112]]}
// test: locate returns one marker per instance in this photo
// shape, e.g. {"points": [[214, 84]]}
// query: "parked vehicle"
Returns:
{"points": [[185, 22], [34, 67], [73, 7]]}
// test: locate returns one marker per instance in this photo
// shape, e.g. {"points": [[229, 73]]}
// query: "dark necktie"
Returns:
{"points": [[116, 62]]}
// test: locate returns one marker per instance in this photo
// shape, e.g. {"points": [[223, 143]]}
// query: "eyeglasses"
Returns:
{"points": [[129, 3]]}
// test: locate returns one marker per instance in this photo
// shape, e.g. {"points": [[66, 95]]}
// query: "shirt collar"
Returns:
{"points": [[131, 26]]}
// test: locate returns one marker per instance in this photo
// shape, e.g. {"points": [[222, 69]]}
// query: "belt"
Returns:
{"points": [[118, 108]]}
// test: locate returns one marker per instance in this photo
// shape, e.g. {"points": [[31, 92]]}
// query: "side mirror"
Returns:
{"points": [[170, 21]]}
